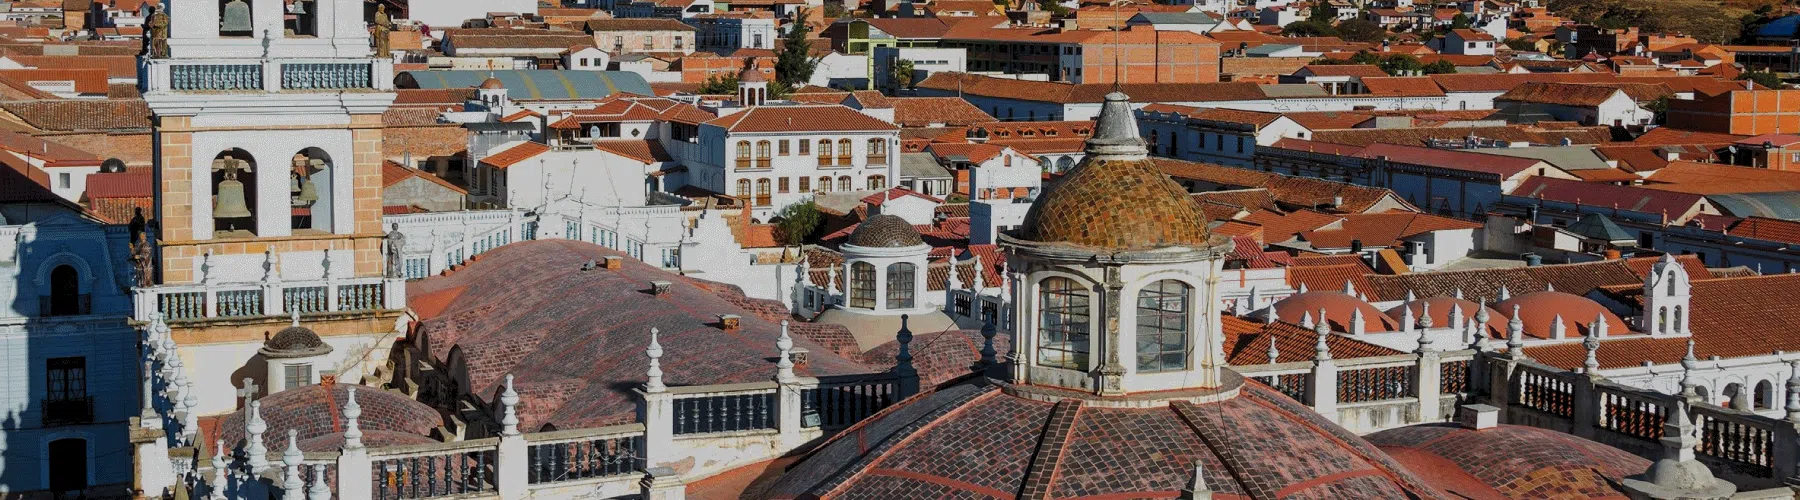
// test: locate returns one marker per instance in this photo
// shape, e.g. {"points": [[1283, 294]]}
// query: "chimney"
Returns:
{"points": [[613, 262], [729, 322], [1533, 260], [660, 288], [1356, 246], [1612, 254], [1478, 416], [798, 355]]}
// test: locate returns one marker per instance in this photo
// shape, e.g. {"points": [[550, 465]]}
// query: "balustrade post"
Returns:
{"points": [[1428, 384], [1322, 386], [658, 415], [393, 291], [331, 295], [663, 483], [155, 472], [1499, 382], [788, 416], [272, 303], [1585, 410], [1784, 460], [512, 479], [212, 302]]}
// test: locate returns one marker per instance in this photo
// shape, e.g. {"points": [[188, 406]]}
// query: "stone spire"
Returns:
{"points": [[253, 429], [1558, 329], [1678, 474], [352, 429], [1302, 288], [1410, 296], [1592, 344], [1793, 392], [1349, 288], [1515, 335], [1356, 322], [1197, 488], [987, 343], [1689, 386], [1116, 132], [509, 413], [784, 367], [292, 486], [903, 360], [1504, 295], [1274, 354], [1321, 351], [1458, 293], [319, 490], [219, 467], [654, 352], [1456, 315], [1407, 320], [1306, 320], [1273, 317]]}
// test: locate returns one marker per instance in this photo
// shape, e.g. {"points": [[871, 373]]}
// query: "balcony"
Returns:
{"points": [[165, 75], [69, 411], [248, 300], [843, 161], [877, 159]]}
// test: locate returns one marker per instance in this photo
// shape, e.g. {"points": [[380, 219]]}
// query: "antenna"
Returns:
{"points": [[1118, 49]]}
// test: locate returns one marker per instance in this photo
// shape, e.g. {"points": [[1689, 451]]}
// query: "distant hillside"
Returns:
{"points": [[1709, 21]]}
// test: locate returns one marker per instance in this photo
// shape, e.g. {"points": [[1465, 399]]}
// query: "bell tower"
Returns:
{"points": [[268, 139]]}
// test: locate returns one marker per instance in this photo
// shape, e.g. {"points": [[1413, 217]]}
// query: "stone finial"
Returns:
{"points": [[1689, 385], [1407, 320], [1197, 488], [655, 373], [253, 429], [1678, 474], [1515, 334], [1321, 351], [1549, 287], [1592, 344], [903, 359], [1274, 354], [271, 266], [1273, 317], [1356, 322], [784, 367], [1349, 288], [1303, 288], [147, 416], [190, 419], [294, 316], [292, 485], [1306, 320], [1504, 295], [509, 408], [219, 467], [1425, 321], [1793, 392], [988, 357], [1599, 328], [319, 490], [1558, 329], [352, 428]]}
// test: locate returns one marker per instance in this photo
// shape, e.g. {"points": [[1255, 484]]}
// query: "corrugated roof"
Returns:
{"points": [[535, 84]]}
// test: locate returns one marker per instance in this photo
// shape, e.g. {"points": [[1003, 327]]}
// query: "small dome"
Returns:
{"points": [[317, 411], [1509, 461], [294, 342], [1538, 312], [1440, 313], [1339, 309], [492, 84], [752, 75], [885, 231]]}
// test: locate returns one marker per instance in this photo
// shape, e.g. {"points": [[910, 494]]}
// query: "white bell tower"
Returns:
{"points": [[1667, 297]]}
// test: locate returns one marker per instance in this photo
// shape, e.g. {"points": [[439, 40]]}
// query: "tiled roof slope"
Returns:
{"points": [[1510, 461], [1730, 318], [1577, 279]]}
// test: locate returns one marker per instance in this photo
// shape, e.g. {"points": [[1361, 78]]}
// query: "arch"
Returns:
{"points": [[877, 151], [844, 183], [1736, 396], [824, 151], [65, 258], [843, 154], [1765, 396], [1163, 325], [65, 292], [743, 188], [824, 183], [1704, 393], [1064, 164], [234, 189], [862, 285], [762, 192], [762, 152], [877, 182], [310, 190], [743, 154], [67, 461], [901, 285], [1662, 320], [1678, 322], [1063, 323]]}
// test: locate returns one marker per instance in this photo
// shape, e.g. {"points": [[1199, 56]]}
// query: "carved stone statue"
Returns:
{"points": [[396, 243], [159, 34], [143, 257], [383, 26]]}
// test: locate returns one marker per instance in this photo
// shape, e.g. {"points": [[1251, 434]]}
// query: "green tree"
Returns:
{"points": [[1361, 30], [834, 10], [1461, 22], [902, 73], [1521, 45], [1398, 64], [797, 223], [1310, 27], [1440, 67], [1764, 78], [794, 64], [1365, 57]]}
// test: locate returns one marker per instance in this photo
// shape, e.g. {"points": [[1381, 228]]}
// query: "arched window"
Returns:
{"points": [[1671, 280], [824, 152], [234, 194], [1736, 398], [877, 182], [1677, 318], [762, 154], [310, 190], [1765, 396], [743, 154], [843, 154], [762, 192], [1153, 141], [65, 291], [1064, 164], [862, 285], [1162, 326], [1062, 324], [743, 188], [877, 151], [900, 286], [1662, 320], [825, 184], [844, 183]]}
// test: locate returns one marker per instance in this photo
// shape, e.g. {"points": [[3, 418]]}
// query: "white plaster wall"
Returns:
{"points": [[217, 370]]}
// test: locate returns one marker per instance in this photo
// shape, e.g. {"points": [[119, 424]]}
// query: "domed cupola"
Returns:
{"points": [[1112, 267], [293, 356], [885, 263]]}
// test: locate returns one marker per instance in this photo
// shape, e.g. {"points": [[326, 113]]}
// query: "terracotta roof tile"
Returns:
{"points": [[925, 111], [515, 154], [1278, 227], [1710, 178], [87, 80], [1247, 343], [1383, 229], [644, 150], [1730, 318], [1670, 203], [392, 173], [1761, 228], [75, 115], [1416, 86], [800, 119]]}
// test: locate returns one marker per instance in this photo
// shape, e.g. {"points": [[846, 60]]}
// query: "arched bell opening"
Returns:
{"points": [[236, 19], [234, 194], [309, 191]]}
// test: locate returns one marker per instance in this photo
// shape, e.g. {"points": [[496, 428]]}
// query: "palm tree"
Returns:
{"points": [[902, 74]]}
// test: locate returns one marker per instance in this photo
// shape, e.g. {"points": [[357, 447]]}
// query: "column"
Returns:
{"points": [[1427, 377]]}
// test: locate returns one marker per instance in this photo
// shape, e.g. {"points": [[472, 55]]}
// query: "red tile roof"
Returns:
{"points": [[1638, 199], [1383, 229], [923, 111], [129, 184], [1762, 228], [515, 154], [1503, 166], [87, 80], [800, 119], [1281, 227], [1730, 318], [1712, 178], [1417, 86], [392, 173]]}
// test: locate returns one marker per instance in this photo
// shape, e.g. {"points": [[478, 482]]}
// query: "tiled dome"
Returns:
{"points": [[1116, 198], [751, 75], [317, 411], [977, 440], [1538, 312], [885, 231], [1441, 307], [492, 84], [1339, 309], [1510, 461], [294, 342]]}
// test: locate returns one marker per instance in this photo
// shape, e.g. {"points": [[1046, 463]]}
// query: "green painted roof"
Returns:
{"points": [[1598, 227], [533, 83]]}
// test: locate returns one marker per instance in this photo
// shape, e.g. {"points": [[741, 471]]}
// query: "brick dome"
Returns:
{"points": [[977, 439], [317, 411], [1339, 309], [294, 342], [751, 75], [492, 84], [1509, 461], [1441, 307], [1116, 198], [1538, 312], [885, 231]]}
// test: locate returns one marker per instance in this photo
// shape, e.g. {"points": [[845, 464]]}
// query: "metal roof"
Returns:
{"points": [[1775, 205], [534, 84]]}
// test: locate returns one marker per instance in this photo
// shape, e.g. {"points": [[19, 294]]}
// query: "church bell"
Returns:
{"points": [[307, 193], [229, 204], [299, 8], [235, 18]]}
